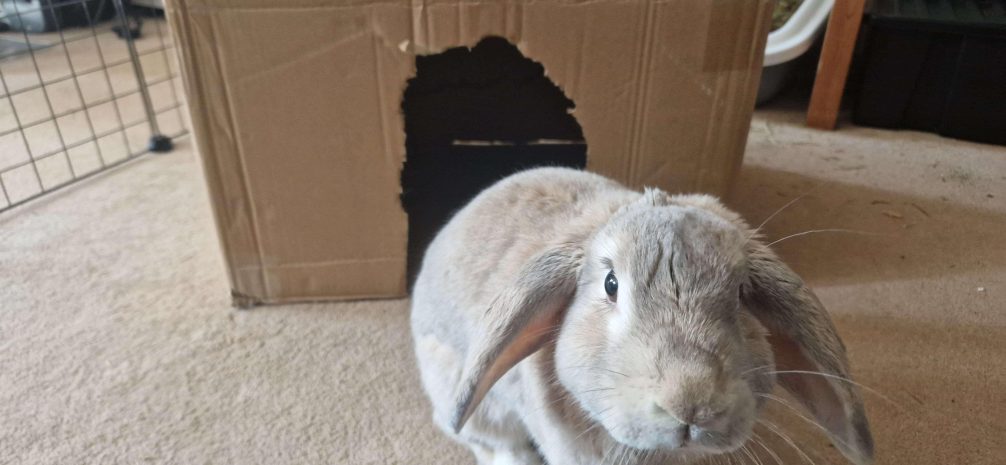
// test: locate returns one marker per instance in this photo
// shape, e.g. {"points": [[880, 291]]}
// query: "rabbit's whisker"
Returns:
{"points": [[632, 456], [778, 432], [762, 367], [547, 330], [564, 396], [596, 390], [780, 210], [561, 397], [591, 427], [797, 412], [627, 454], [616, 453], [619, 455], [758, 440], [604, 458], [600, 368], [615, 372], [815, 231], [740, 458], [840, 378], [750, 455]]}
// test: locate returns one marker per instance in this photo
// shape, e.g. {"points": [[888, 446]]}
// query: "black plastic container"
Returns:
{"points": [[50, 15], [937, 66]]}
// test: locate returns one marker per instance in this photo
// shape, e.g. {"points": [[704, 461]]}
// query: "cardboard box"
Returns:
{"points": [[296, 108]]}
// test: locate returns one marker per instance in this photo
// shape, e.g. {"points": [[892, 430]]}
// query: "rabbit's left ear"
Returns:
{"points": [[804, 339], [519, 321]]}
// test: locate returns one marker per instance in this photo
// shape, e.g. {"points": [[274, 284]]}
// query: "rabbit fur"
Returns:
{"points": [[528, 359]]}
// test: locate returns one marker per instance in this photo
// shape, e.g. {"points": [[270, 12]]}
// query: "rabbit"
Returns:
{"points": [[561, 318]]}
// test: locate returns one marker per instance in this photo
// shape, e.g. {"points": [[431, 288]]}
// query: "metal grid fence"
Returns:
{"points": [[75, 101]]}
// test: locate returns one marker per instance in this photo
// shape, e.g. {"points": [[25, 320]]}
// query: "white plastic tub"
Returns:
{"points": [[789, 42]]}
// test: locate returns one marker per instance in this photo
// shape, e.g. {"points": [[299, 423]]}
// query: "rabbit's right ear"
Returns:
{"points": [[518, 322]]}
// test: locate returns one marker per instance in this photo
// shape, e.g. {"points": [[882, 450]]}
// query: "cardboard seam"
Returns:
{"points": [[389, 158], [636, 103], [580, 58], [630, 131], [522, 27], [213, 169], [421, 27], [643, 117], [427, 22], [750, 90], [206, 9], [507, 15], [210, 167], [347, 261], [252, 214], [368, 4], [412, 27], [707, 140], [461, 23], [418, 27], [735, 91], [756, 55], [328, 46], [509, 19], [329, 298]]}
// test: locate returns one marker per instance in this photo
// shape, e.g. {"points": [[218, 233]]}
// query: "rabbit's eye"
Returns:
{"points": [[611, 285]]}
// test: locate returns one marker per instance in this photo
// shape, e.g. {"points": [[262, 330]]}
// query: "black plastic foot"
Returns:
{"points": [[160, 144], [135, 28]]}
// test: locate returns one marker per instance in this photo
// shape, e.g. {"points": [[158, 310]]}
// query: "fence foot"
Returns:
{"points": [[160, 144]]}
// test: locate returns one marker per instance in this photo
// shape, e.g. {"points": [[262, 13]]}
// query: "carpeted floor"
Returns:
{"points": [[118, 344]]}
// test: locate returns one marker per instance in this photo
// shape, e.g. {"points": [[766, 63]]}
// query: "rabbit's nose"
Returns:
{"points": [[692, 429], [696, 416], [694, 393], [691, 416]]}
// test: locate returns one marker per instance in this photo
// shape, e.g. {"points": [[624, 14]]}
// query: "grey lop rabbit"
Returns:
{"points": [[562, 318]]}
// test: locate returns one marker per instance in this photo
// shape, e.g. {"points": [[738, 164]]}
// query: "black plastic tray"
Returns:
{"points": [[935, 65]]}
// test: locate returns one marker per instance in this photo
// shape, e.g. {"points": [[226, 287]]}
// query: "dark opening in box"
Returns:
{"points": [[472, 117]]}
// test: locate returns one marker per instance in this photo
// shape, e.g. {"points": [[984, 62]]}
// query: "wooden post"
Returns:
{"points": [[833, 69]]}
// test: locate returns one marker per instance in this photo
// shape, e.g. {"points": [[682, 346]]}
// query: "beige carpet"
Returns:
{"points": [[118, 345]]}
